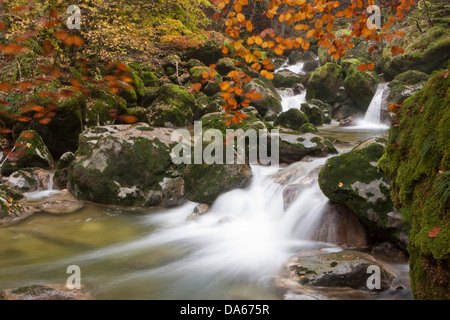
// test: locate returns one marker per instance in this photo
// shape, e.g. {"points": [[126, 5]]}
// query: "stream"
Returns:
{"points": [[235, 251]]}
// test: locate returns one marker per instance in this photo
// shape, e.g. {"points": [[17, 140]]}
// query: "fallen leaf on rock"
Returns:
{"points": [[434, 232]]}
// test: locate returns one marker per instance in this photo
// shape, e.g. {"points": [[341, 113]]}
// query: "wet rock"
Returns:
{"points": [[271, 99], [204, 183], [388, 250], [342, 269], [291, 119], [340, 226], [61, 207], [41, 292], [22, 180], [353, 179], [347, 122], [294, 147], [198, 211]]}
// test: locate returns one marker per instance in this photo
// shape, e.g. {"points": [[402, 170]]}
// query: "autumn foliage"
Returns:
{"points": [[313, 21]]}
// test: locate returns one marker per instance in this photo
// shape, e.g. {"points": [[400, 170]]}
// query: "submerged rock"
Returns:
{"points": [[41, 292], [60, 207], [338, 270]]}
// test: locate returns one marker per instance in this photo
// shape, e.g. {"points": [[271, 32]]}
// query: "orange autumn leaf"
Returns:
{"points": [[128, 119], [45, 120], [434, 232], [74, 40], [397, 50], [27, 135], [197, 86]]}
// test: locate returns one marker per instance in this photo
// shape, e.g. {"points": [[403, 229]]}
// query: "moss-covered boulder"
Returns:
{"points": [[341, 269], [225, 65], [61, 176], [126, 165], [291, 119], [271, 99], [210, 87], [205, 182], [405, 85], [308, 127], [326, 108], [9, 205], [417, 163], [314, 113], [22, 181], [424, 52], [353, 179], [287, 79], [32, 151], [172, 107], [294, 147], [361, 86], [325, 83], [217, 120]]}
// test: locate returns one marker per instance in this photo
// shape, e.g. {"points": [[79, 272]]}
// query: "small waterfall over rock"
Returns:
{"points": [[375, 112]]}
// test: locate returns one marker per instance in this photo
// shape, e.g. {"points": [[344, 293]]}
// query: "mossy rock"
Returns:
{"points": [[61, 176], [212, 86], [9, 205], [99, 174], [173, 106], [149, 79], [325, 83], [295, 146], [61, 134], [353, 179], [225, 65], [271, 99], [287, 79], [326, 108], [428, 52], [292, 119], [405, 85], [314, 113], [308, 127], [22, 181], [32, 150], [417, 163], [361, 86], [205, 182]]}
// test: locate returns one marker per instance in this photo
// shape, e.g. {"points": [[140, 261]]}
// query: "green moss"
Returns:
{"points": [[292, 119], [325, 82], [417, 163]]}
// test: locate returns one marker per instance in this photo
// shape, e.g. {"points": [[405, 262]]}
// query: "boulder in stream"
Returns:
{"points": [[127, 165], [343, 269]]}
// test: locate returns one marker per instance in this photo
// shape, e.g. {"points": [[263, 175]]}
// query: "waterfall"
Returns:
{"points": [[291, 100], [45, 186], [374, 112]]}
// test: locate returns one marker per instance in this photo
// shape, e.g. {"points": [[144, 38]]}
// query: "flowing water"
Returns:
{"points": [[233, 252], [373, 118]]}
